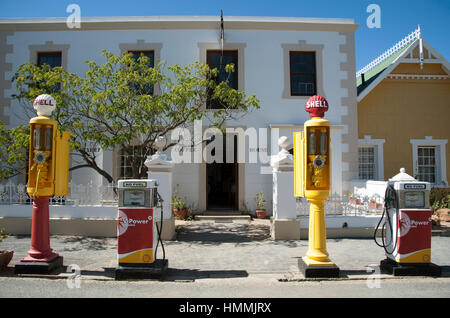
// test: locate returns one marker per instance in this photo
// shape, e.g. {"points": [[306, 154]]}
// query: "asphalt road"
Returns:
{"points": [[236, 260], [254, 286]]}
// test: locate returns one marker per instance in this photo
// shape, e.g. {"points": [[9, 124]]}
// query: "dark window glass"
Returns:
{"points": [[146, 89], [303, 73], [52, 59], [215, 59]]}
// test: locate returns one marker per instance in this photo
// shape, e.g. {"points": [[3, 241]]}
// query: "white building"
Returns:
{"points": [[265, 51]]}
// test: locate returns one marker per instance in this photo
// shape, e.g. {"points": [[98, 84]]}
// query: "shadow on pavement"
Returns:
{"points": [[175, 274], [217, 233]]}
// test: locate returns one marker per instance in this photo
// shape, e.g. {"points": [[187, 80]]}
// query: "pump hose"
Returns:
{"points": [[159, 230], [390, 201], [37, 181]]}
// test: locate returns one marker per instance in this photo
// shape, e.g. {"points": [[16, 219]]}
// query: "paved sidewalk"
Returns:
{"points": [[208, 249]]}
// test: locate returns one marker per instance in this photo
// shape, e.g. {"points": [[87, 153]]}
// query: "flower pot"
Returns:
{"points": [[260, 214], [5, 258], [180, 214]]}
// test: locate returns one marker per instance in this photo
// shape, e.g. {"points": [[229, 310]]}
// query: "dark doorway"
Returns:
{"points": [[222, 181]]}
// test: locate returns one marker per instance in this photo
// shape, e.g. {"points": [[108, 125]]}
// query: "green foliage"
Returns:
{"points": [[3, 234], [439, 198], [110, 106], [260, 201], [13, 147], [178, 202]]}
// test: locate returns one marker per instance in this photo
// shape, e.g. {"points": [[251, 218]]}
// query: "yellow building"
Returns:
{"points": [[404, 113]]}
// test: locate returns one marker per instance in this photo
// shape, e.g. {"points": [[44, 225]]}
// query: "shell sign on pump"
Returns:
{"points": [[316, 106], [135, 233], [312, 150]]}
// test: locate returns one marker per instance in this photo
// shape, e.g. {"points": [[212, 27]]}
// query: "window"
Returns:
{"points": [[215, 59], [51, 58], [426, 164], [146, 89], [302, 67], [366, 163], [126, 157], [429, 160]]}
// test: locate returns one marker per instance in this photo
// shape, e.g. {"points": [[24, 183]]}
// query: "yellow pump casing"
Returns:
{"points": [[62, 163], [48, 167], [312, 159]]}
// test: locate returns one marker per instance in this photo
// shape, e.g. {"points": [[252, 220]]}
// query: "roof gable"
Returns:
{"points": [[407, 54]]}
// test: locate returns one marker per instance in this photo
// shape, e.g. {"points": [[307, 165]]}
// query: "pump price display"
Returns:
{"points": [[412, 186], [134, 184]]}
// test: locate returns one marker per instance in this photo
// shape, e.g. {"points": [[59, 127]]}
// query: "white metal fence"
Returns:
{"points": [[78, 194], [346, 205], [90, 194]]}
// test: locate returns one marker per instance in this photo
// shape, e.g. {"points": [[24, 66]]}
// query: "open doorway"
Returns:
{"points": [[222, 180]]}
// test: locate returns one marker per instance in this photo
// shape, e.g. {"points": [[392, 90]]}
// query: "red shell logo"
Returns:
{"points": [[122, 225], [404, 224], [316, 106]]}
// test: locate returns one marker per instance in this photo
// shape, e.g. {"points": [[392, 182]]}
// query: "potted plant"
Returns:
{"points": [[5, 256], [179, 208], [260, 204]]}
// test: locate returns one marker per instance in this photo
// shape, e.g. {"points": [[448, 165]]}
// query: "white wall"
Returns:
{"points": [[264, 76]]}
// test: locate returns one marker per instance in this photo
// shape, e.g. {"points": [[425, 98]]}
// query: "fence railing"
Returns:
{"points": [[78, 194], [345, 205], [399, 45]]}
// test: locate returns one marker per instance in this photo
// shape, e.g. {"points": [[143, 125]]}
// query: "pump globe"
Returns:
{"points": [[44, 105]]}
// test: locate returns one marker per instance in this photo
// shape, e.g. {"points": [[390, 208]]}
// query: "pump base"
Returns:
{"points": [[158, 269], [25, 267], [410, 269], [317, 270]]}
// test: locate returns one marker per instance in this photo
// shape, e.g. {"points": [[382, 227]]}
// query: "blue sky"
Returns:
{"points": [[398, 18]]}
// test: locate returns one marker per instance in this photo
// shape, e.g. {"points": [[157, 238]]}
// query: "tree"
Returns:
{"points": [[13, 146], [112, 105]]}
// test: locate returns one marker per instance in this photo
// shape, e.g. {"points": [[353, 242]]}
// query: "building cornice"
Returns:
{"points": [[179, 22]]}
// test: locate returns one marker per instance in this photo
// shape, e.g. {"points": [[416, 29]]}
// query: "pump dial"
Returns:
{"points": [[39, 157], [318, 162]]}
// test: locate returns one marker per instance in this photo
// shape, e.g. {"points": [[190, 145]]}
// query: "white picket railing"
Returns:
{"points": [[399, 45], [78, 194], [357, 204], [353, 205]]}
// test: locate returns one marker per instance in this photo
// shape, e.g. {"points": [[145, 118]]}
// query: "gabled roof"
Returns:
{"points": [[372, 74]]}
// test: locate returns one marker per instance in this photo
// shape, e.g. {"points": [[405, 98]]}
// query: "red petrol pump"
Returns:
{"points": [[138, 235], [48, 174], [406, 231]]}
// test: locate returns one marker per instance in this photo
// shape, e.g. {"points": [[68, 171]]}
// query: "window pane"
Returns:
{"points": [[426, 164], [303, 75], [366, 162], [216, 60], [51, 58], [144, 89]]}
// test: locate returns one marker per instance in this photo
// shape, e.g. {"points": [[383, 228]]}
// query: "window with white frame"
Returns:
{"points": [[370, 158], [126, 156], [367, 163], [426, 164], [429, 160]]}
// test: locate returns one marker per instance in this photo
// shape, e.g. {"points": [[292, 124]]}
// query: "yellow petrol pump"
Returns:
{"points": [[312, 180], [48, 173], [48, 170]]}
